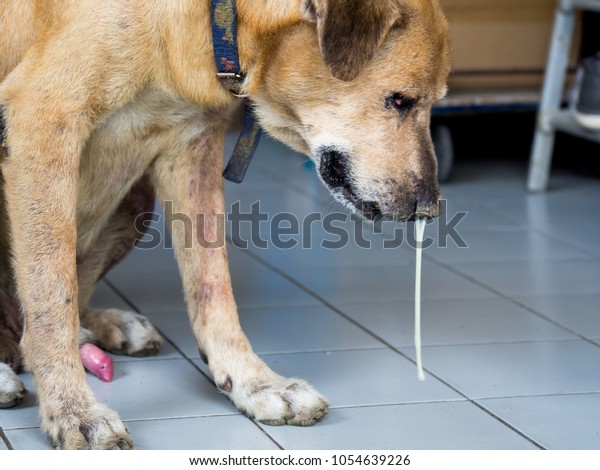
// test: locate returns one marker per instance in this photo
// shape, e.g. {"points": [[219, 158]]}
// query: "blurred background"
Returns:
{"points": [[500, 52]]}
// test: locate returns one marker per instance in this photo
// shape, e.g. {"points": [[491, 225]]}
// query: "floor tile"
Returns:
{"points": [[139, 261], [570, 216], [537, 277], [585, 237], [463, 213], [150, 291], [386, 283], [28, 439], [435, 426], [175, 326], [580, 313], [212, 433], [547, 210], [445, 322], [163, 291], [366, 377], [105, 297], [249, 203], [140, 390], [346, 245], [3, 445], [490, 246], [540, 252], [556, 422], [276, 330], [264, 288], [519, 369]]}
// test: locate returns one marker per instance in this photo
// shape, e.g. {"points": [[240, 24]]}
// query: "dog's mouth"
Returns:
{"points": [[370, 210]]}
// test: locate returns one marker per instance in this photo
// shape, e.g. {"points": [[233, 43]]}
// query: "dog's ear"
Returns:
{"points": [[350, 31]]}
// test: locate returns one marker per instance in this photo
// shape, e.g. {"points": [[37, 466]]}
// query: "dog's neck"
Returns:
{"points": [[257, 33], [183, 48], [226, 47]]}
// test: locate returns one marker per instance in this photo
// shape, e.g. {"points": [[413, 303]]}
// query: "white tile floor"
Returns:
{"points": [[511, 326]]}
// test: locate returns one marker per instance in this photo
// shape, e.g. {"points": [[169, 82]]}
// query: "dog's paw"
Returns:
{"points": [[98, 428], [287, 401], [12, 390], [273, 399], [121, 332]]}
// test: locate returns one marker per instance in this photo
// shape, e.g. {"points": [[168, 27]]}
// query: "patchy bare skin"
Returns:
{"points": [[99, 99]]}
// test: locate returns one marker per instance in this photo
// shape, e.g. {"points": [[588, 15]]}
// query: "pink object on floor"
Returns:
{"points": [[96, 361]]}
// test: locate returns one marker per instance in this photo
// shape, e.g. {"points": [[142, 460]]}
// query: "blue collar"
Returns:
{"points": [[224, 31]]}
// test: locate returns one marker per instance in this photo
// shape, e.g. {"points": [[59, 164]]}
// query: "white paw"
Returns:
{"points": [[273, 399], [286, 401], [12, 390], [122, 332]]}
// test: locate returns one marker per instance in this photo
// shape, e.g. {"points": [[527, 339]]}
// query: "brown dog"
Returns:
{"points": [[104, 103]]}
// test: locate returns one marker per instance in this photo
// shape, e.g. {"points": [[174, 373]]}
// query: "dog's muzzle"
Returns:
{"points": [[394, 202]]}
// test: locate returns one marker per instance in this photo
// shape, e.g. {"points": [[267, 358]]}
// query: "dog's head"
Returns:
{"points": [[352, 86]]}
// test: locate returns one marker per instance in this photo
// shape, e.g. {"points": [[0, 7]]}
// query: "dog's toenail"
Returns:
{"points": [[203, 356], [227, 386]]}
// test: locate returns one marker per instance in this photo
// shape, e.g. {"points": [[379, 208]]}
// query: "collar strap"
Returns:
{"points": [[224, 31]]}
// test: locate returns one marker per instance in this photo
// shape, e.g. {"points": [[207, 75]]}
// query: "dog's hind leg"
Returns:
{"points": [[190, 177], [117, 331]]}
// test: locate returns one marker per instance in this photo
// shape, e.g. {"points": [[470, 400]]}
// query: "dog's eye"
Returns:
{"points": [[400, 102]]}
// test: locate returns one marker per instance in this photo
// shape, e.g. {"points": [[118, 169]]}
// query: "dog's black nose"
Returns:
{"points": [[427, 201], [421, 200]]}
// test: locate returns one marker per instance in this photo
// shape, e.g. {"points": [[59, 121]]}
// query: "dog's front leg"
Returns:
{"points": [[190, 179], [40, 175]]}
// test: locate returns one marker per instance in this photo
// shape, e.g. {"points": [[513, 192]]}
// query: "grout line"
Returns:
{"points": [[501, 343], [509, 298], [539, 395], [121, 295], [383, 341], [266, 433], [184, 356], [4, 438], [217, 415], [467, 400], [24, 427], [543, 233], [415, 403], [410, 346], [366, 330], [190, 361], [508, 425], [507, 217]]}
